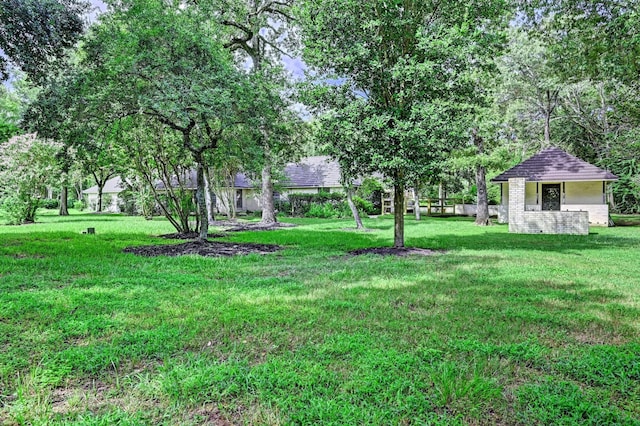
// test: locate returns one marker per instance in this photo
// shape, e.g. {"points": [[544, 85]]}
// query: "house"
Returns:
{"points": [[554, 193], [110, 195], [309, 175]]}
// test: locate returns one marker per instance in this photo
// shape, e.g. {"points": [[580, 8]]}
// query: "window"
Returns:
{"points": [[238, 198], [327, 190]]}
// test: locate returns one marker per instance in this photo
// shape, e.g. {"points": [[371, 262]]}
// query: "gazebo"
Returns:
{"points": [[554, 193]]}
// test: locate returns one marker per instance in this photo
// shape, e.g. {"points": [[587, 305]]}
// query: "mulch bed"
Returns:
{"points": [[392, 251], [188, 236], [203, 248], [238, 227]]}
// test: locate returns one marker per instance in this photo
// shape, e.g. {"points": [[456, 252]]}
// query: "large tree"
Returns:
{"points": [[407, 62], [258, 32], [168, 63], [34, 34]]}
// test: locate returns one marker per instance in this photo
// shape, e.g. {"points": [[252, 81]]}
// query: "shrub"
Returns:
{"points": [[79, 205], [365, 206], [322, 211], [301, 203], [49, 203], [283, 207], [20, 210]]}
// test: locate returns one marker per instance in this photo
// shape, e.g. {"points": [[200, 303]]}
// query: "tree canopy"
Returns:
{"points": [[409, 69], [34, 34]]}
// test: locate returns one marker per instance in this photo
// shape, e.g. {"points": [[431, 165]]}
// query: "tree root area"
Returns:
{"points": [[188, 236], [203, 248], [393, 251], [229, 226]]}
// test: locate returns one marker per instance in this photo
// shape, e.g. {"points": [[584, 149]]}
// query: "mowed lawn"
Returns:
{"points": [[496, 329]]}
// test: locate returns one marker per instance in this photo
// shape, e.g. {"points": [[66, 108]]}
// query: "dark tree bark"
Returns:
{"points": [[64, 201], [482, 214], [100, 188], [398, 211]]}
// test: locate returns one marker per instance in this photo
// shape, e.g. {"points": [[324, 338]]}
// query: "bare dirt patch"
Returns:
{"points": [[393, 251], [203, 248]]}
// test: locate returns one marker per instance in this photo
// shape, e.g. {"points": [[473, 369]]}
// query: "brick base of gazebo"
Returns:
{"points": [[542, 222]]}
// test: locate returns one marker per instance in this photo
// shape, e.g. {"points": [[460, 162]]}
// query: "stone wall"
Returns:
{"points": [[542, 222]]}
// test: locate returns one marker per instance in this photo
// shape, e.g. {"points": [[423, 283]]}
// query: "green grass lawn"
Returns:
{"points": [[499, 329]]}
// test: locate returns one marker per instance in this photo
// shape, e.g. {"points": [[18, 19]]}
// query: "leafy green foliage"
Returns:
{"points": [[34, 34], [27, 165], [303, 202], [410, 76]]}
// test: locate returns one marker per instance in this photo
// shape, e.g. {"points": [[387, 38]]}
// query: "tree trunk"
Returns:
{"points": [[100, 188], [352, 206], [416, 202], [398, 215], [482, 213], [64, 201], [268, 207], [209, 198], [547, 129], [201, 203]]}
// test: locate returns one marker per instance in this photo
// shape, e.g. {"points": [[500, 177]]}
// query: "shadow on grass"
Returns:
{"points": [[555, 243], [351, 240]]}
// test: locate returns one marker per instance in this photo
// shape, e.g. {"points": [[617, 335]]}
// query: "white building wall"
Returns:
{"points": [[583, 193], [111, 207], [531, 197]]}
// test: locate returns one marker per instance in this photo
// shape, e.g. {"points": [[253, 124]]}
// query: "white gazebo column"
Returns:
{"points": [[516, 203]]}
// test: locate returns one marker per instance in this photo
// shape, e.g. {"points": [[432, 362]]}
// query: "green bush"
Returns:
{"points": [[283, 207], [79, 205], [20, 210], [322, 211], [49, 203], [301, 203], [365, 206]]}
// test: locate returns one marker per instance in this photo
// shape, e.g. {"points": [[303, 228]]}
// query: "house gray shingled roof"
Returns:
{"points": [[555, 165], [309, 172], [112, 186], [319, 171]]}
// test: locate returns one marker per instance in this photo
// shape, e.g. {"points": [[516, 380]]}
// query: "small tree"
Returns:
{"points": [[27, 166]]}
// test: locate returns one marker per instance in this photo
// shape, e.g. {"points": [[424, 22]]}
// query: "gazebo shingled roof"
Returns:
{"points": [[555, 165]]}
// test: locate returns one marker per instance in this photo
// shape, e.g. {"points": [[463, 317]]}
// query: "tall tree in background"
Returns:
{"points": [[257, 30], [531, 85], [408, 61], [35, 33]]}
